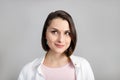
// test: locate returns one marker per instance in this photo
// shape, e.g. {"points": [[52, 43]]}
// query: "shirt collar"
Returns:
{"points": [[73, 58], [75, 61]]}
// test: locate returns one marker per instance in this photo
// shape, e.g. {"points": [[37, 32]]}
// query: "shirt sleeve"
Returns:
{"points": [[88, 72], [21, 76], [23, 73]]}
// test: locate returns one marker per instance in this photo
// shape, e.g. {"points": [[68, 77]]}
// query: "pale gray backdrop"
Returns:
{"points": [[97, 23]]}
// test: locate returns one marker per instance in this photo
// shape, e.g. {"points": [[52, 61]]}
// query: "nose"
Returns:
{"points": [[61, 38]]}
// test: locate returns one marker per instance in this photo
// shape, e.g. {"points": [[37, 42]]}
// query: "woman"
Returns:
{"points": [[59, 41]]}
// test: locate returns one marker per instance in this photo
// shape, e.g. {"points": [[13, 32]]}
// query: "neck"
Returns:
{"points": [[56, 56], [55, 60]]}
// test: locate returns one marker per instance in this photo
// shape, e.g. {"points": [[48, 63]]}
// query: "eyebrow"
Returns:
{"points": [[58, 30]]}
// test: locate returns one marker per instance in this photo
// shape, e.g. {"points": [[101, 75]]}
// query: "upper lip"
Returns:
{"points": [[59, 44]]}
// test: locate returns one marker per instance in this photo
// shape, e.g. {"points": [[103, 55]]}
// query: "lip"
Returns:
{"points": [[59, 45]]}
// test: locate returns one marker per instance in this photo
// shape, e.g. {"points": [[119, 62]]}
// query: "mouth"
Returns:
{"points": [[59, 45]]}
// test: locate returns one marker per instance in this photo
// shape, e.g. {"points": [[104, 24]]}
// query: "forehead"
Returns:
{"points": [[59, 23]]}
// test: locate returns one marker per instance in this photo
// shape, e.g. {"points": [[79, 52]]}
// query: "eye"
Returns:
{"points": [[67, 33], [54, 32]]}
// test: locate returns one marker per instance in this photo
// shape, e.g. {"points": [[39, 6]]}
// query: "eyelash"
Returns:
{"points": [[67, 33], [55, 32]]}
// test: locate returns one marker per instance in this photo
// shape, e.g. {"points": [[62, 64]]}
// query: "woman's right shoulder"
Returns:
{"points": [[28, 71], [31, 66]]}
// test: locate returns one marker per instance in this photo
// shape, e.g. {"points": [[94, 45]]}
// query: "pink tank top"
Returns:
{"points": [[66, 72]]}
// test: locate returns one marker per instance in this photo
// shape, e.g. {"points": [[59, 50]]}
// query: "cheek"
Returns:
{"points": [[68, 40], [50, 38]]}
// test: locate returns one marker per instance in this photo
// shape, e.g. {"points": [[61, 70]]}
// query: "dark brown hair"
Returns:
{"points": [[65, 16]]}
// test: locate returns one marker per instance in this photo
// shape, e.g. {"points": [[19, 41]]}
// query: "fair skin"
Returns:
{"points": [[58, 40]]}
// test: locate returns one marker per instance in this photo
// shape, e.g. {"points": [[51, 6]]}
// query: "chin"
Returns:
{"points": [[59, 51]]}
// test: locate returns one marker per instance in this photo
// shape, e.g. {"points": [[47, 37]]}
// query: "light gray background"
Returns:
{"points": [[97, 23]]}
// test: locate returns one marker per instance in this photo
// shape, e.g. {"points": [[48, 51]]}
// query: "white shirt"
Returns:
{"points": [[32, 70]]}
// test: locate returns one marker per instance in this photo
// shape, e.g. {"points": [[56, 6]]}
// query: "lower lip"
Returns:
{"points": [[59, 46]]}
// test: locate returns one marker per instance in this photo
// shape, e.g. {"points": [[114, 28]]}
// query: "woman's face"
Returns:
{"points": [[58, 35]]}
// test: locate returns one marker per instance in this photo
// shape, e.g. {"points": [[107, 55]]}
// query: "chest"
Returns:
{"points": [[66, 72]]}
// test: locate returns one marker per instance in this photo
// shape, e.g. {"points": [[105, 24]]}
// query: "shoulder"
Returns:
{"points": [[80, 62], [31, 66], [78, 59], [84, 66], [28, 70]]}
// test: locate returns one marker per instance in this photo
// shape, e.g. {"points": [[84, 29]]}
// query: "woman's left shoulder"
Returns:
{"points": [[79, 59], [84, 66]]}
